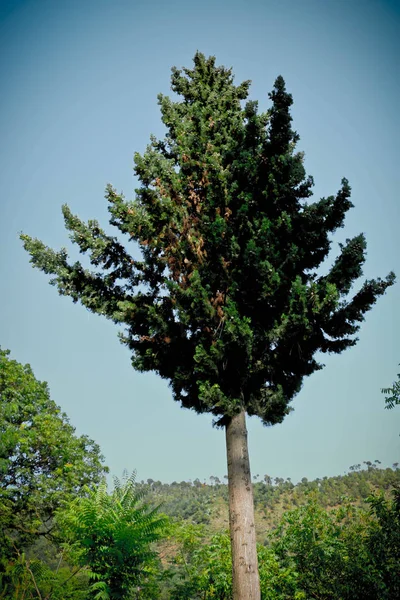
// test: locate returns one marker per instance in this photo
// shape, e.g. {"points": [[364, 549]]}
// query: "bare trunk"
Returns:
{"points": [[246, 583]]}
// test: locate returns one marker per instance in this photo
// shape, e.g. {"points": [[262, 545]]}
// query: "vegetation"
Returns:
{"points": [[206, 503], [392, 394], [59, 528], [343, 553], [334, 538], [43, 464], [201, 568], [226, 302], [112, 536]]}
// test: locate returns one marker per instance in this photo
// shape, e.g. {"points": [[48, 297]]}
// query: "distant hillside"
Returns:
{"points": [[207, 503]]}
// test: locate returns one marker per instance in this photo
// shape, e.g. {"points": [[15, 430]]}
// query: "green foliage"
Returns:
{"points": [[202, 568], [348, 553], [310, 541], [384, 542], [206, 567], [392, 394], [351, 552], [112, 535], [226, 302], [43, 464], [30, 578]]}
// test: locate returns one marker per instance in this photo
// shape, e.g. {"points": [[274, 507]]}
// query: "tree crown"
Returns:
{"points": [[43, 463], [226, 302]]}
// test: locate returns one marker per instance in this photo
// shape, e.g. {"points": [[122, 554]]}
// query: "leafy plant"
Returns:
{"points": [[112, 535], [201, 567], [392, 394], [30, 578], [345, 553], [384, 542]]}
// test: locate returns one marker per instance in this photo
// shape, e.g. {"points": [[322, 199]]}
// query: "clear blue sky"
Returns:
{"points": [[78, 84]]}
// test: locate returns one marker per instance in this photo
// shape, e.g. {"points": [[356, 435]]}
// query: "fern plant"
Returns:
{"points": [[112, 536]]}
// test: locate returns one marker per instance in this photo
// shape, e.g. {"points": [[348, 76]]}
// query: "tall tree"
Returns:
{"points": [[225, 300]]}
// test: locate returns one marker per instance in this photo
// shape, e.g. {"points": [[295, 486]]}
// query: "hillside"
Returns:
{"points": [[207, 503]]}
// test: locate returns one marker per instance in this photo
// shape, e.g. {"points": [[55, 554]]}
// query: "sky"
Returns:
{"points": [[79, 83]]}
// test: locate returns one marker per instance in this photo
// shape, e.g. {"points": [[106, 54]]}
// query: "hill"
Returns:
{"points": [[207, 503]]}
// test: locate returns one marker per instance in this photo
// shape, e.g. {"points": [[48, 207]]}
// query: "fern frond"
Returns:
{"points": [[102, 589], [112, 534]]}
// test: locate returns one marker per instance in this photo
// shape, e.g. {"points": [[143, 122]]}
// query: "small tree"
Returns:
{"points": [[111, 534], [226, 302]]}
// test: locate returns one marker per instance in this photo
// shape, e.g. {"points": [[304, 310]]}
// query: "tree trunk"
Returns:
{"points": [[246, 583]]}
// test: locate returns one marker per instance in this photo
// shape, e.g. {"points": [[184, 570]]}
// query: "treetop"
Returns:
{"points": [[226, 301]]}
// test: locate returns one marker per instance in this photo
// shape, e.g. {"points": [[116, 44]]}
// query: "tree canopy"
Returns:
{"points": [[226, 300], [43, 463]]}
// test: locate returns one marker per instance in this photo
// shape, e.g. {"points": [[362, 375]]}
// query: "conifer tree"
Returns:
{"points": [[226, 301]]}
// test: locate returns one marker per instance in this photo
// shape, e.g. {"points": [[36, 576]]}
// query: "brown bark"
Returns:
{"points": [[246, 583]]}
